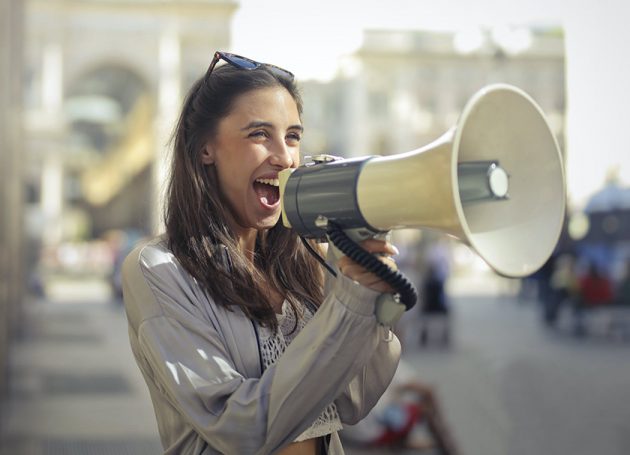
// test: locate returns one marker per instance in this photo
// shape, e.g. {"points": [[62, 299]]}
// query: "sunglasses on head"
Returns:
{"points": [[245, 63]]}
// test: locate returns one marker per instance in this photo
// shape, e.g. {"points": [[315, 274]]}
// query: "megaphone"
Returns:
{"points": [[495, 181]]}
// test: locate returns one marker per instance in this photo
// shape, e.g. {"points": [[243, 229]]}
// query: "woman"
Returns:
{"points": [[242, 350]]}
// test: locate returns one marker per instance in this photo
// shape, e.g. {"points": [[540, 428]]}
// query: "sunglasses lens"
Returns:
{"points": [[248, 64], [280, 72], [243, 62]]}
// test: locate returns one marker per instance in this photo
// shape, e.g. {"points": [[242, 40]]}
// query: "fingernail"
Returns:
{"points": [[395, 249]]}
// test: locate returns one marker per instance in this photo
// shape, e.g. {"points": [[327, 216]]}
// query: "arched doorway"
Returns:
{"points": [[110, 113]]}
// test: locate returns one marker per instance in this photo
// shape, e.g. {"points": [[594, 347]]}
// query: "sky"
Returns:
{"points": [[309, 37]]}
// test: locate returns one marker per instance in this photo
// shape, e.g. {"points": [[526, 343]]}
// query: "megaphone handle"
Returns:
{"points": [[389, 309]]}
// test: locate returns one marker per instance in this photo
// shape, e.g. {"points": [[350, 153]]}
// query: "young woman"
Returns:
{"points": [[244, 347]]}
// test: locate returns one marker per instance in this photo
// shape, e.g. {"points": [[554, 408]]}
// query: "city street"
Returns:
{"points": [[488, 122], [507, 385], [511, 386]]}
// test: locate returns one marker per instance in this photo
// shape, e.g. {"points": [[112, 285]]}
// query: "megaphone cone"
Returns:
{"points": [[495, 181]]}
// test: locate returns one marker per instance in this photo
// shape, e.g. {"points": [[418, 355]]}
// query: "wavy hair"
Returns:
{"points": [[196, 215]]}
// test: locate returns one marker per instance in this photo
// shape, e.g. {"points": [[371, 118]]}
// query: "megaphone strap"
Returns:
{"points": [[316, 255]]}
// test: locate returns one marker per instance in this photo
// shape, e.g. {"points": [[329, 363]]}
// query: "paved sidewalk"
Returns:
{"points": [[507, 385], [510, 386], [74, 386]]}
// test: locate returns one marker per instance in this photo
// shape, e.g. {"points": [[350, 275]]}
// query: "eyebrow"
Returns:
{"points": [[258, 124]]}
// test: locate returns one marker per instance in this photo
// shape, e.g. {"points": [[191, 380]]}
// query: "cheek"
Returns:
{"points": [[233, 185], [226, 180], [235, 176]]}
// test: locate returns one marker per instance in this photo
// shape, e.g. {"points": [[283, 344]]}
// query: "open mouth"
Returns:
{"points": [[268, 190]]}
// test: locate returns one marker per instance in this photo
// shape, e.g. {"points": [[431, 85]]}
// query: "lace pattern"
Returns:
{"points": [[273, 345]]}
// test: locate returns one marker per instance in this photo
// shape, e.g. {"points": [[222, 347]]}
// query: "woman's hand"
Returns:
{"points": [[384, 251]]}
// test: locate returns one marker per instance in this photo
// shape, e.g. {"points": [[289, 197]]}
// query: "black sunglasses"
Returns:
{"points": [[245, 63]]}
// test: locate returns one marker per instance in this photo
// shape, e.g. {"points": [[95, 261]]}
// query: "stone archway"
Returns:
{"points": [[110, 113]]}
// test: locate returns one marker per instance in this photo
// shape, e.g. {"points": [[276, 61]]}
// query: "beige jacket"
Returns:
{"points": [[201, 362]]}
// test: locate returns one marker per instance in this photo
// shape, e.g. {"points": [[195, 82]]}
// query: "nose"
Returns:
{"points": [[282, 155]]}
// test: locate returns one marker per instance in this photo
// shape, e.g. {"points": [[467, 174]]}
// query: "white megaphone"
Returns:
{"points": [[495, 181]]}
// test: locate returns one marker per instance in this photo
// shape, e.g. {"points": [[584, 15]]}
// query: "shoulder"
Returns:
{"points": [[156, 284], [153, 261], [149, 253]]}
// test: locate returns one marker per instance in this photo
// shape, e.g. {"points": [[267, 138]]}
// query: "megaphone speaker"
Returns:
{"points": [[495, 181]]}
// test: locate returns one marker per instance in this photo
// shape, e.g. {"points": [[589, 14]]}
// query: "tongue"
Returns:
{"points": [[268, 194]]}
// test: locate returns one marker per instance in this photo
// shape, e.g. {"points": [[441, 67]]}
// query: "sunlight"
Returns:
{"points": [[173, 370]]}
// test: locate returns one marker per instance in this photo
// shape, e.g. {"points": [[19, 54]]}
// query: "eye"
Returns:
{"points": [[293, 138], [259, 134]]}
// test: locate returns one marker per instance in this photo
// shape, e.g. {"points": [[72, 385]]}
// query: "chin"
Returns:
{"points": [[268, 222]]}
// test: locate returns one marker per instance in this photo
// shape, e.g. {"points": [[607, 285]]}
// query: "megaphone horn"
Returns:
{"points": [[495, 181]]}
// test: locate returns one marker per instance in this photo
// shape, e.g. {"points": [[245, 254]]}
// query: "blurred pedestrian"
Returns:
{"points": [[409, 264], [435, 307], [620, 318], [563, 287], [622, 293], [242, 346], [544, 290]]}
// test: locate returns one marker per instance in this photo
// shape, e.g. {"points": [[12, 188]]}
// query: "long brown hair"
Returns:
{"points": [[195, 212]]}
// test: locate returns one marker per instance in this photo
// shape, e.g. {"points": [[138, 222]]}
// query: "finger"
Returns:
{"points": [[365, 278], [360, 274], [376, 246], [382, 251], [381, 287], [373, 283], [389, 262], [347, 262]]}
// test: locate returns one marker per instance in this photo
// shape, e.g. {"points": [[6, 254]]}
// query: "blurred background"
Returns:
{"points": [[90, 91]]}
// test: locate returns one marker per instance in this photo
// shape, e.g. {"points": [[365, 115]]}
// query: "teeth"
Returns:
{"points": [[273, 182]]}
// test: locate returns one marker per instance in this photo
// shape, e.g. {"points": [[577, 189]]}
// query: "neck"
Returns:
{"points": [[247, 243], [246, 238], [247, 246]]}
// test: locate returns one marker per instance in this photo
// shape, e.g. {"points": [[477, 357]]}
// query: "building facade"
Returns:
{"points": [[406, 88], [104, 84], [90, 91]]}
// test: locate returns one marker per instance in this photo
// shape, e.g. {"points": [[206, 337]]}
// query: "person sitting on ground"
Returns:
{"points": [[408, 408]]}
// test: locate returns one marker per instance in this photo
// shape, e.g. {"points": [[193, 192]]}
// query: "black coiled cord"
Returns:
{"points": [[406, 291]]}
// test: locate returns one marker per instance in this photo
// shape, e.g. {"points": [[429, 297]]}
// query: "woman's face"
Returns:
{"points": [[256, 140]]}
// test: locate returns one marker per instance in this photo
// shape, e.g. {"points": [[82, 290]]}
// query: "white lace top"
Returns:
{"points": [[272, 345]]}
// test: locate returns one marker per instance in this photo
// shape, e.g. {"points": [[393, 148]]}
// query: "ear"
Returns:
{"points": [[207, 154]]}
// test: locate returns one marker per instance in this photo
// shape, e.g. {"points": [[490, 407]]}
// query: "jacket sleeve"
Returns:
{"points": [[367, 387], [187, 358]]}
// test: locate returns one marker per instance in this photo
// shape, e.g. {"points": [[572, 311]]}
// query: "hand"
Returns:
{"points": [[384, 251]]}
